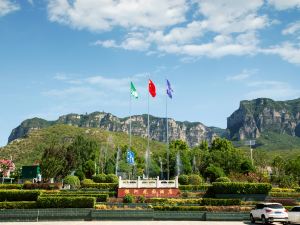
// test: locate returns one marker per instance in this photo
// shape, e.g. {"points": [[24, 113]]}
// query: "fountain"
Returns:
{"points": [[194, 164], [117, 160], [161, 168], [178, 164], [147, 161]]}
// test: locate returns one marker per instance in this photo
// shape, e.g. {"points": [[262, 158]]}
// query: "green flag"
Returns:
{"points": [[133, 90]]}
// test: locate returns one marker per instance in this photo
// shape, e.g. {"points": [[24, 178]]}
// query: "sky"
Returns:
{"points": [[79, 56]]}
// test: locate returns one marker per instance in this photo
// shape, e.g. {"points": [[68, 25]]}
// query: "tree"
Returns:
{"points": [[213, 172]]}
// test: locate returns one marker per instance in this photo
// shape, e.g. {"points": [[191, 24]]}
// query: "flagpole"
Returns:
{"points": [[130, 118], [148, 144], [168, 153]]}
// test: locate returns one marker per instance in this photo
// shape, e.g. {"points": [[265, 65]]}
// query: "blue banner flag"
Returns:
{"points": [[130, 157], [169, 89]]}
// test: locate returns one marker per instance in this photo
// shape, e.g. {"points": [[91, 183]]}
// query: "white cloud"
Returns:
{"points": [[102, 15], [272, 89], [8, 6], [228, 16], [30, 2], [292, 28], [245, 74], [288, 51], [284, 4]]}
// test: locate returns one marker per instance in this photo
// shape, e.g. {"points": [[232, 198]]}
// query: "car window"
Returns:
{"points": [[296, 209], [259, 206], [274, 206]]}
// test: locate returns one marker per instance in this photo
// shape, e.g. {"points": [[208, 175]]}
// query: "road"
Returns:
{"points": [[129, 223]]}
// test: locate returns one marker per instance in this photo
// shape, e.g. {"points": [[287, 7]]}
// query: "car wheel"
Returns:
{"points": [[252, 219], [264, 220]]}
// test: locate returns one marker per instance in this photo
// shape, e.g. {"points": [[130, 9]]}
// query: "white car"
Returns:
{"points": [[268, 213], [294, 215]]}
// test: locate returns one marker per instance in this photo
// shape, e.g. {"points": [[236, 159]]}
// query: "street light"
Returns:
{"points": [[250, 143]]}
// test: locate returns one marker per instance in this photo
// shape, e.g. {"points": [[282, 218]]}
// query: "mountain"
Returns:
{"points": [[26, 151], [265, 117], [191, 132]]}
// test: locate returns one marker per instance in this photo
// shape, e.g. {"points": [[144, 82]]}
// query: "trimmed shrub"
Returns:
{"points": [[140, 199], [18, 195], [112, 178], [213, 172], [195, 179], [18, 205], [223, 179], [87, 181], [194, 187], [44, 186], [11, 186], [240, 188], [183, 179], [73, 181], [99, 197], [220, 202], [66, 202], [128, 198], [284, 201], [100, 178], [285, 194], [203, 208], [284, 190], [103, 186]]}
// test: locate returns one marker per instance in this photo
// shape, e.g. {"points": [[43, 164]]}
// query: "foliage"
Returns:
{"points": [[6, 166], [88, 168], [87, 181], [100, 178], [66, 202], [112, 178], [247, 167], [240, 188], [18, 195], [45, 186], [140, 199], [195, 179], [223, 179], [213, 172], [257, 177], [11, 186], [202, 202], [128, 198], [18, 205], [202, 208], [203, 187], [183, 179], [73, 181], [100, 197], [102, 186]]}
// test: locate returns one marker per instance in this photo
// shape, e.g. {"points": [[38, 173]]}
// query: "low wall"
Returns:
{"points": [[92, 214], [148, 183], [150, 192]]}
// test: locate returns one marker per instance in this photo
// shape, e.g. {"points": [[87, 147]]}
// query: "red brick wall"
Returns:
{"points": [[149, 192]]}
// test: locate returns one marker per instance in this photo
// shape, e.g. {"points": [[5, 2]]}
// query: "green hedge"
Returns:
{"points": [[240, 188], [84, 191], [194, 187], [11, 186], [285, 194], [179, 208], [102, 186], [18, 205], [283, 190], [44, 186], [99, 197], [66, 202], [202, 202], [18, 195]]}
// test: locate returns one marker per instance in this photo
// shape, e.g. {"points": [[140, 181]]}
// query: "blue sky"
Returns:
{"points": [[78, 56]]}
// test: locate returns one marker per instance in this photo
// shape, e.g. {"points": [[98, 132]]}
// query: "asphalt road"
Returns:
{"points": [[129, 223]]}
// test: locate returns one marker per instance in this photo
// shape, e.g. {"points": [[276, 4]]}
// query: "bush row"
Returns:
{"points": [[240, 188], [103, 178], [18, 205], [285, 194], [79, 193], [99, 197], [11, 186], [283, 190], [202, 202], [45, 186], [101, 186], [66, 202], [203, 208], [194, 187], [18, 195]]}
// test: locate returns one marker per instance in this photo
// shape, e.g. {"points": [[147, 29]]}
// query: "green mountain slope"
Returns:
{"points": [[28, 150]]}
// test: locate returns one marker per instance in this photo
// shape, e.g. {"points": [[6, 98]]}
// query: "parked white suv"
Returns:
{"points": [[268, 213]]}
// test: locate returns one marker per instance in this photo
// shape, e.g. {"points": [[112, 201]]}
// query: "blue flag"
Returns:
{"points": [[169, 89], [130, 157]]}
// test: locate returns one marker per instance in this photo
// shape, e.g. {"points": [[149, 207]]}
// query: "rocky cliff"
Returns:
{"points": [[192, 133], [264, 115]]}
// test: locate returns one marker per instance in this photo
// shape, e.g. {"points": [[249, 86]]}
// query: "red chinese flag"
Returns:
{"points": [[152, 89]]}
